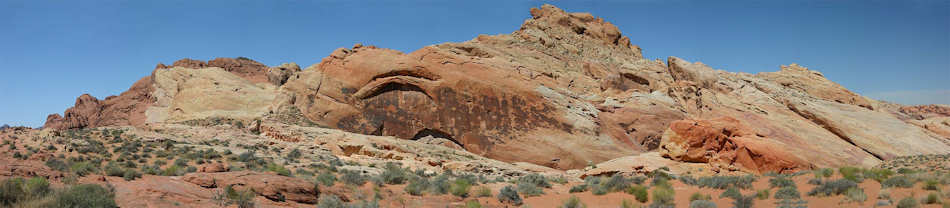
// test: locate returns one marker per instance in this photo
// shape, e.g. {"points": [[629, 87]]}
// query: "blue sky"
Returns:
{"points": [[53, 51]]}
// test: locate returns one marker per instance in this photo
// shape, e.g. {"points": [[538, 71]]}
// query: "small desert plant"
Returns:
{"points": [[855, 195], [908, 202], [279, 169], [702, 204], [663, 195], [326, 178], [509, 195], [836, 187], [330, 201], [532, 184], [898, 181], [931, 198], [244, 199], [638, 191], [781, 182], [350, 177], [85, 195], [699, 196], [393, 174], [931, 184], [851, 173], [440, 185], [578, 188], [744, 201], [787, 192], [878, 174], [473, 204], [482, 191], [762, 194], [416, 186], [573, 202], [460, 187], [731, 192]]}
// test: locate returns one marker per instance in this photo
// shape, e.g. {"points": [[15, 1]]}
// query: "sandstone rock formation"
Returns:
{"points": [[563, 91], [271, 186]]}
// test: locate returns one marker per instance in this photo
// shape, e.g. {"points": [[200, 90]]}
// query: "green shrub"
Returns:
{"points": [[473, 204], [855, 195], [36, 187], [535, 180], [931, 184], [626, 203], [663, 195], [578, 188], [173, 170], [393, 174], [330, 201], [326, 178], [781, 182], [824, 172], [639, 192], [908, 202], [508, 195], [244, 198], [482, 191], [702, 204], [11, 191], [699, 196], [932, 198], [898, 181], [460, 187], [724, 182], [731, 192], [416, 186], [57, 164], [743, 201], [878, 174], [787, 192], [82, 168], [573, 202], [851, 173], [440, 185], [114, 170], [294, 155], [762, 194], [85, 195], [351, 177], [906, 171], [279, 169], [616, 183], [131, 174], [529, 189], [836, 187]]}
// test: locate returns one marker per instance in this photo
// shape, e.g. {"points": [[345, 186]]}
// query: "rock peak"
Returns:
{"points": [[560, 24]]}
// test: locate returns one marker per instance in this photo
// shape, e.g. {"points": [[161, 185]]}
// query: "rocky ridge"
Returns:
{"points": [[564, 91]]}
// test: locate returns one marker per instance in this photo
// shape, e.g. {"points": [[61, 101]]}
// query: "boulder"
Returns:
{"points": [[268, 185]]}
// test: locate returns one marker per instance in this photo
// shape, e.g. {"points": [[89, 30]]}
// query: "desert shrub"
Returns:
{"points": [[330, 201], [85, 195], [616, 183], [931, 184], [57, 164], [743, 201], [293, 155], [573, 202], [242, 198], [509, 195], [351, 177], [762, 194], [460, 187], [639, 192], [663, 195], [326, 178], [787, 192], [931, 198], [440, 185], [855, 195], [482, 191], [851, 173], [878, 174], [836, 187], [699, 196], [473, 204], [535, 180], [11, 191], [908, 202], [82, 168], [393, 174], [181, 162], [723, 182], [279, 169], [906, 171], [173, 170], [131, 174], [781, 182], [898, 181], [824, 172], [731, 192], [815, 181], [416, 186], [529, 189], [702, 204], [578, 188], [626, 203]]}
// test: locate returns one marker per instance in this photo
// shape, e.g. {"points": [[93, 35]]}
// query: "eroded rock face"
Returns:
{"points": [[729, 144], [126, 109]]}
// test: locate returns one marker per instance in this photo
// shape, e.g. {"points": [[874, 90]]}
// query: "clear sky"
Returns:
{"points": [[53, 51]]}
